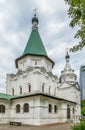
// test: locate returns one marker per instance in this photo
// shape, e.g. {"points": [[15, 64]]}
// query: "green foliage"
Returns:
{"points": [[83, 107], [82, 103], [77, 14], [80, 126], [83, 111]]}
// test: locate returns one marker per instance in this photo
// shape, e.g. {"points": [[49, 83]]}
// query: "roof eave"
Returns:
{"points": [[4, 99], [42, 94]]}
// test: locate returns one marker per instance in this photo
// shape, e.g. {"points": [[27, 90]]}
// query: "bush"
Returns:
{"points": [[80, 126]]}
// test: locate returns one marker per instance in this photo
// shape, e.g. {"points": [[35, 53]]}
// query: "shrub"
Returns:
{"points": [[80, 126]]}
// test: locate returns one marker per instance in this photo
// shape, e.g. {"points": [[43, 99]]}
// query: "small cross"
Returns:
{"points": [[35, 10], [67, 50]]}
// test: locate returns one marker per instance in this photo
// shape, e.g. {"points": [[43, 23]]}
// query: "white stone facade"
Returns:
{"points": [[54, 92]]}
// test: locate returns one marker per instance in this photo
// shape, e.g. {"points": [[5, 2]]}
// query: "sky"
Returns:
{"points": [[16, 26]]}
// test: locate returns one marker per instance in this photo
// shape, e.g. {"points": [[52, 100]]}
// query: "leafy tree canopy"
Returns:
{"points": [[82, 103], [83, 107], [77, 14]]}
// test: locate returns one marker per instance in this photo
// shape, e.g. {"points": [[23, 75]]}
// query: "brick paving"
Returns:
{"points": [[66, 126]]}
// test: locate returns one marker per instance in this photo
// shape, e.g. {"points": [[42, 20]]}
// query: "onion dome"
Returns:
{"points": [[67, 56], [35, 19]]}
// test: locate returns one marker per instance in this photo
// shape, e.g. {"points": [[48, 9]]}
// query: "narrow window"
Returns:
{"points": [[73, 110], [35, 62], [55, 109], [29, 88], [26, 107], [49, 108], [17, 108], [20, 90], [68, 112], [12, 91], [43, 88], [2, 109]]}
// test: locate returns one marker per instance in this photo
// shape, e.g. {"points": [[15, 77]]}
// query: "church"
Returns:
{"points": [[34, 95]]}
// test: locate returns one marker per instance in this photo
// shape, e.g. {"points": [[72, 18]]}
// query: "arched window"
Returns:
{"points": [[68, 111], [35, 62], [2, 109], [26, 107], [55, 109], [43, 88], [13, 91], [73, 110], [17, 108], [20, 90], [49, 108], [29, 88]]}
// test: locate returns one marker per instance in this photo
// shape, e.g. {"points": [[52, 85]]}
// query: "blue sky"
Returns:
{"points": [[15, 28]]}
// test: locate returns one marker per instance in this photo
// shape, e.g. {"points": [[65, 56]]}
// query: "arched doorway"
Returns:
{"points": [[68, 112]]}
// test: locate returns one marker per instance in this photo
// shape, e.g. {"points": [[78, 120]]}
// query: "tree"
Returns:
{"points": [[82, 103], [83, 107], [76, 12]]}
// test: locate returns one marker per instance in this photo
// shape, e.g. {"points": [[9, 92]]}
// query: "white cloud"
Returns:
{"points": [[2, 1]]}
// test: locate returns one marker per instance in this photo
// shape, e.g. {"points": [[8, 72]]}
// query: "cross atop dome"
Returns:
{"points": [[35, 11]]}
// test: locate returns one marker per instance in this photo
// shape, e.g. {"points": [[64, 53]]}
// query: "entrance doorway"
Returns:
{"points": [[68, 112]]}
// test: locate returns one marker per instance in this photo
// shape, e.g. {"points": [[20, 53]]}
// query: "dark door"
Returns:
{"points": [[68, 113]]}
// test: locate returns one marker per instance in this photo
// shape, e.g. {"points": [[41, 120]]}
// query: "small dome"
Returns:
{"points": [[67, 56], [35, 19]]}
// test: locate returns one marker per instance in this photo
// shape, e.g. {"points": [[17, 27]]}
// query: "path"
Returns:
{"points": [[56, 127]]}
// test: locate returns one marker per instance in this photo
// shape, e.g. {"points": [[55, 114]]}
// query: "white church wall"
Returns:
{"points": [[64, 111], [46, 117], [68, 77], [69, 93], [38, 111], [36, 81], [32, 117], [49, 84], [4, 117], [8, 83], [21, 81], [72, 94], [33, 61]]}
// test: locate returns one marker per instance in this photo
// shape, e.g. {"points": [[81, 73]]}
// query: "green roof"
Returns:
{"points": [[6, 96], [35, 45]]}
